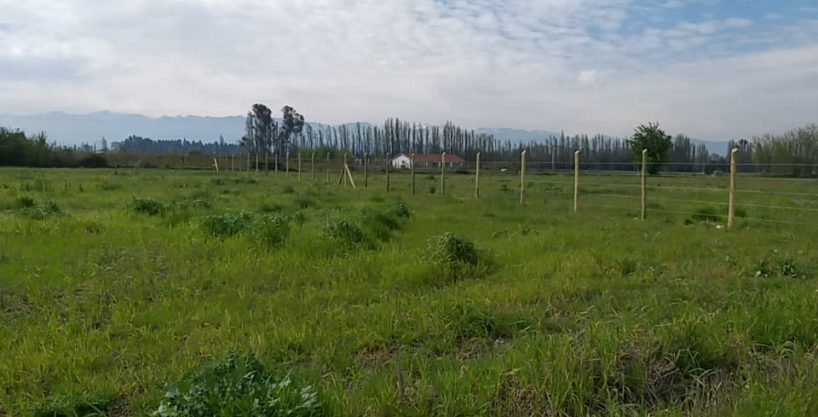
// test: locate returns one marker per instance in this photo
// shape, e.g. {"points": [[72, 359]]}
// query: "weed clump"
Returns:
{"points": [[37, 210], [401, 210], [271, 231], [226, 225], [239, 386], [24, 202], [454, 255], [147, 206], [776, 265], [345, 233], [467, 321]]}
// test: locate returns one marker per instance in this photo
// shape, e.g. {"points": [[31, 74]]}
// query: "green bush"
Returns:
{"points": [[345, 233], [401, 210], [147, 206], [24, 202], [271, 231], [40, 210], [454, 255], [228, 224], [239, 386]]}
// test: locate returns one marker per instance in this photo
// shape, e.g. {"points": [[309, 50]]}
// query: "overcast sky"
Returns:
{"points": [[712, 69]]}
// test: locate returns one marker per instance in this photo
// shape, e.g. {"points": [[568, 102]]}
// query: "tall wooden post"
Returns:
{"points": [[343, 173], [443, 173], [576, 181], [477, 176], [522, 177], [644, 184], [731, 205], [412, 166]]}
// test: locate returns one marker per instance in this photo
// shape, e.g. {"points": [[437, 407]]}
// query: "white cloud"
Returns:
{"points": [[555, 64]]}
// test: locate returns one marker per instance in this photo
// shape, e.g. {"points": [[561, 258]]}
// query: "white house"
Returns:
{"points": [[426, 160]]}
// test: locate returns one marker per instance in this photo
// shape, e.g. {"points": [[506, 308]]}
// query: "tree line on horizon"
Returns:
{"points": [[794, 153]]}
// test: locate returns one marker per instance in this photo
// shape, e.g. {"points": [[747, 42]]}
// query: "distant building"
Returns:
{"points": [[427, 160]]}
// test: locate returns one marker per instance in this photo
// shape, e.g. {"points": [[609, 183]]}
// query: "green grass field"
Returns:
{"points": [[115, 283]]}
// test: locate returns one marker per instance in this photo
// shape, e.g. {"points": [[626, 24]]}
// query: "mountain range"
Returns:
{"points": [[75, 129]]}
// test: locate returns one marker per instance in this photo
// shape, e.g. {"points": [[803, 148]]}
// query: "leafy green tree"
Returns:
{"points": [[656, 141]]}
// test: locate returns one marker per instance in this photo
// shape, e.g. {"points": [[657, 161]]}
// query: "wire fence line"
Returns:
{"points": [[758, 195]]}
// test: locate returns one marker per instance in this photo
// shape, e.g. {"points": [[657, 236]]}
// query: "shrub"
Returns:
{"points": [[239, 386], [147, 206], [41, 210], [24, 202], [456, 256], [228, 224], [345, 233], [401, 210], [776, 265], [271, 230]]}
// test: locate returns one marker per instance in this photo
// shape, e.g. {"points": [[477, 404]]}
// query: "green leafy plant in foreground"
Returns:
{"points": [[239, 386], [456, 256], [228, 224]]}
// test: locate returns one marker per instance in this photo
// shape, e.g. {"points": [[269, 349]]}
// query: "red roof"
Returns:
{"points": [[436, 157]]}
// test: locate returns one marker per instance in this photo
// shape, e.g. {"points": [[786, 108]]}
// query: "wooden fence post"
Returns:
{"points": [[343, 173], [477, 176], [644, 183], [443, 173], [576, 181], [412, 166], [731, 205], [522, 177]]}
